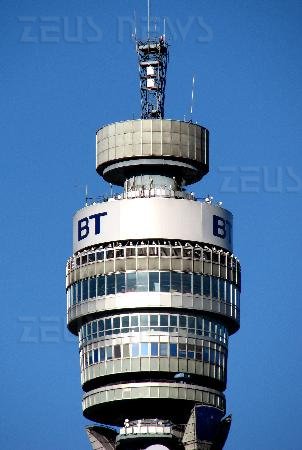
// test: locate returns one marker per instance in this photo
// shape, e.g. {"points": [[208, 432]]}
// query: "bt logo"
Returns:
{"points": [[222, 228], [83, 225]]}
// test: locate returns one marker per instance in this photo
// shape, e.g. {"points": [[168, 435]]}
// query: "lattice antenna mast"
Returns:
{"points": [[152, 59]]}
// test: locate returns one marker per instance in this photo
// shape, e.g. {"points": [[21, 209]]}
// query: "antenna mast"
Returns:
{"points": [[152, 60]]}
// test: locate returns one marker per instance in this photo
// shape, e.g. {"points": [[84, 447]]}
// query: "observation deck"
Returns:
{"points": [[170, 148]]}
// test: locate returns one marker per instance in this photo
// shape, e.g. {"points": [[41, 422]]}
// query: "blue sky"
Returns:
{"points": [[66, 69]]}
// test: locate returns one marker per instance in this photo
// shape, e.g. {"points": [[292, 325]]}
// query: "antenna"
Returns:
{"points": [[192, 99], [134, 34], [153, 61], [148, 20]]}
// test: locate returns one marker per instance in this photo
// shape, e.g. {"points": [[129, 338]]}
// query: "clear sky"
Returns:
{"points": [[66, 69]]}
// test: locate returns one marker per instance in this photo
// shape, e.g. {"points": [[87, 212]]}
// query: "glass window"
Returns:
{"points": [[207, 255], [182, 351], [173, 349], [131, 281], [164, 281], [154, 348], [154, 281], [164, 251], [191, 353], [84, 259], [206, 327], [126, 352], [101, 327], [214, 287], [191, 324], [100, 255], [176, 252], [120, 282], [197, 253], [163, 349], [196, 283], [116, 325], [78, 261], [94, 329], [144, 320], [130, 251], [96, 355], [164, 320], [175, 282], [187, 252], [85, 289], [110, 254], [117, 351], [119, 252], [134, 321], [74, 293], [89, 332], [108, 327], [91, 257], [215, 257], [228, 292], [90, 358], [199, 325], [186, 283], [153, 251], [110, 284], [154, 320], [92, 287], [142, 281], [173, 321], [199, 352], [134, 350], [206, 286], [212, 356], [109, 352], [142, 251], [102, 354], [144, 348], [125, 323], [183, 321], [221, 290], [205, 354], [101, 285]]}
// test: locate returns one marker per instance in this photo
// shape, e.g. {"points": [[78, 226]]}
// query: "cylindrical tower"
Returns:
{"points": [[153, 290]]}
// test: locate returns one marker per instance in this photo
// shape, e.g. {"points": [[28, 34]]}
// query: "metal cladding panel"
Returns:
{"points": [[208, 423], [152, 218]]}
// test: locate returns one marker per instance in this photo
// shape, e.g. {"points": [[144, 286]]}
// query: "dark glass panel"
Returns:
{"points": [[173, 350], [154, 281], [85, 289], [186, 283], [196, 283], [101, 285], [110, 288], [92, 287], [175, 282], [154, 349], [120, 283], [164, 281]]}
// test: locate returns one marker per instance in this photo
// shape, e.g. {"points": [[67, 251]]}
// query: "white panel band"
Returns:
{"points": [[152, 218]]}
